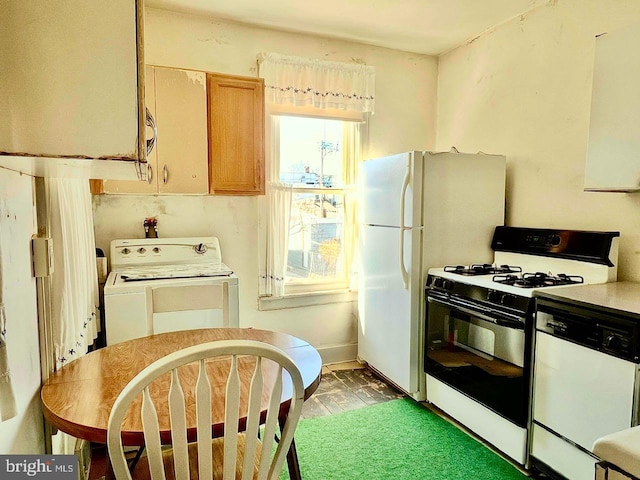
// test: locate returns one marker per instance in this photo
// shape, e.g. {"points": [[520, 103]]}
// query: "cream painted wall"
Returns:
{"points": [[23, 433], [404, 120], [524, 90]]}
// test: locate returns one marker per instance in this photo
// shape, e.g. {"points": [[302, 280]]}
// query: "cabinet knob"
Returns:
{"points": [[165, 174], [149, 174]]}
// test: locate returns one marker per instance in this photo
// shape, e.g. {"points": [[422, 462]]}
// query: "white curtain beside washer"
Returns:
{"points": [[74, 282]]}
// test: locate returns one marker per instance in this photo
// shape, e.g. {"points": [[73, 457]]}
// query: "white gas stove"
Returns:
{"points": [[527, 260], [480, 325], [142, 266]]}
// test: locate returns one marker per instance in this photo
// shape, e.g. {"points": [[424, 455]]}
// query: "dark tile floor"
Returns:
{"points": [[344, 387]]}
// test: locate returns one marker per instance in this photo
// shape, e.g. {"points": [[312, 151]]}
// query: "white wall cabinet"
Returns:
{"points": [[71, 85], [613, 153], [178, 163]]}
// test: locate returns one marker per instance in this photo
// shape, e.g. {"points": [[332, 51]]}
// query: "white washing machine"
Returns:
{"points": [[138, 266]]}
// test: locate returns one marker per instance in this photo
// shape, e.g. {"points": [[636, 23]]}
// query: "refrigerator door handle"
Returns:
{"points": [[403, 195]]}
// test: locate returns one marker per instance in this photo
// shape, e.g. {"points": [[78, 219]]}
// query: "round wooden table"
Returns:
{"points": [[77, 399]]}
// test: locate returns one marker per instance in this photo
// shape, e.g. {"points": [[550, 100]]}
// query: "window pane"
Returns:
{"points": [[316, 237], [310, 152]]}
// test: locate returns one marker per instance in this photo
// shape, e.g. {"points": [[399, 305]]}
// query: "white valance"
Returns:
{"points": [[303, 81]]}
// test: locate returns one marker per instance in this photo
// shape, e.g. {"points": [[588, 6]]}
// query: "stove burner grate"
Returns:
{"points": [[537, 280], [482, 269]]}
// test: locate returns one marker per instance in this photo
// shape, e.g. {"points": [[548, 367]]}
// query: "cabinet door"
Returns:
{"points": [[177, 99], [149, 185], [181, 113], [70, 79], [236, 135], [613, 153]]}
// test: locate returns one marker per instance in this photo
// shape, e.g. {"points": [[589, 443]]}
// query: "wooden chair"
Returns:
{"points": [[238, 454]]}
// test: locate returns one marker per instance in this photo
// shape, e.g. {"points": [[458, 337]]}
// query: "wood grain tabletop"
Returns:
{"points": [[77, 399]]}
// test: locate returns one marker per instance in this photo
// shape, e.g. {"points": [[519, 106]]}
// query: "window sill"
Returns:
{"points": [[307, 300]]}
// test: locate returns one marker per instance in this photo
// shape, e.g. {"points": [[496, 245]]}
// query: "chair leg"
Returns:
{"points": [[292, 456]]}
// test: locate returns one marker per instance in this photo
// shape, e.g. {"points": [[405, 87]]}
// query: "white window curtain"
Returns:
{"points": [[303, 81], [273, 277], [352, 149], [323, 86], [7, 397], [74, 281]]}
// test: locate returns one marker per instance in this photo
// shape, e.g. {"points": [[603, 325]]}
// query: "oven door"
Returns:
{"points": [[479, 353]]}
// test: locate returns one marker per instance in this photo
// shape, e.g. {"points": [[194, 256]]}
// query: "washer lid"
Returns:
{"points": [[157, 272]]}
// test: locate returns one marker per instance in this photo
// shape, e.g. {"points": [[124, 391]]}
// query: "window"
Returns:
{"points": [[313, 161], [317, 109]]}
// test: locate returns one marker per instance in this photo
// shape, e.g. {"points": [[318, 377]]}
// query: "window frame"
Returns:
{"points": [[295, 293]]}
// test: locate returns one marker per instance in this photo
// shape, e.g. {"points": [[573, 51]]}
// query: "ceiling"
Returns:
{"points": [[429, 27]]}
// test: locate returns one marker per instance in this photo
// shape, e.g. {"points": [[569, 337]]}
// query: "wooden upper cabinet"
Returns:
{"points": [[178, 164], [236, 134]]}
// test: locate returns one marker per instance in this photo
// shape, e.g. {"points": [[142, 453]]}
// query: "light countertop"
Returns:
{"points": [[615, 297]]}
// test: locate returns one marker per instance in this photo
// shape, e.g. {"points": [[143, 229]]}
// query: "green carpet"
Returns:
{"points": [[396, 440]]}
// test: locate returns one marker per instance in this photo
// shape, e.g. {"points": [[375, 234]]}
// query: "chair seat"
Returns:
{"points": [[141, 471]]}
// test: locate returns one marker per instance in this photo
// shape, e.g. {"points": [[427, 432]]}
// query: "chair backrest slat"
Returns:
{"points": [[231, 420], [190, 383], [253, 420], [203, 415], [178, 418], [152, 435], [270, 424]]}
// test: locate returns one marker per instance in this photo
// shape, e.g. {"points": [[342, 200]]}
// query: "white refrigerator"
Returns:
{"points": [[418, 210]]}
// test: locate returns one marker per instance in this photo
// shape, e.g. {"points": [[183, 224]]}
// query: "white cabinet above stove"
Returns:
{"points": [[613, 152]]}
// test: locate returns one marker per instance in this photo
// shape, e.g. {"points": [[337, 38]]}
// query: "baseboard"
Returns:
{"points": [[338, 353]]}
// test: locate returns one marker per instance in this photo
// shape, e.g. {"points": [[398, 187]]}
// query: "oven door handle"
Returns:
{"points": [[500, 318]]}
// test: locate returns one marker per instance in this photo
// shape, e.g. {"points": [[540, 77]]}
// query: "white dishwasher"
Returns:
{"points": [[144, 264], [585, 380]]}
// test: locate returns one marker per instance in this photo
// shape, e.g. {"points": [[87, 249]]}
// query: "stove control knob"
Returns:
{"points": [[613, 342], [200, 248], [493, 296], [142, 250], [447, 285], [156, 249], [126, 251], [507, 300], [438, 282]]}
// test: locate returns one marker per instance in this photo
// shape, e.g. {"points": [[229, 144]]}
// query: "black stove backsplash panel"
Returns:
{"points": [[585, 246]]}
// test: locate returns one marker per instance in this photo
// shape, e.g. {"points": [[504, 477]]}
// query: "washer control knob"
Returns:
{"points": [[126, 251], [142, 250], [200, 248]]}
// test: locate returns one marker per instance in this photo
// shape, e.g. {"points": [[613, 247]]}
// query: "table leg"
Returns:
{"points": [[108, 474], [292, 456]]}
